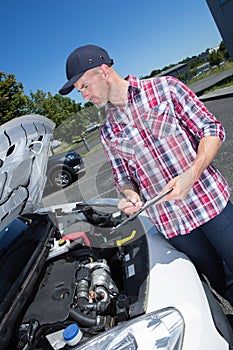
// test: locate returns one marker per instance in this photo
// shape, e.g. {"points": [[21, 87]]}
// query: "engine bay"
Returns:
{"points": [[91, 277]]}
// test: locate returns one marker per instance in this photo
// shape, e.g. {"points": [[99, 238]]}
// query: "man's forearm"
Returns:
{"points": [[207, 150], [181, 184]]}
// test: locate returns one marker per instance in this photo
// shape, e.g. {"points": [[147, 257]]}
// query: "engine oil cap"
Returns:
{"points": [[72, 334], [61, 242]]}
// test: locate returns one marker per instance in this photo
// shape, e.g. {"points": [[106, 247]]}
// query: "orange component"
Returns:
{"points": [[92, 294]]}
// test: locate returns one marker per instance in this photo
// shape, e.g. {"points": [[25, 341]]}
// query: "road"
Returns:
{"points": [[224, 160], [96, 181], [205, 84]]}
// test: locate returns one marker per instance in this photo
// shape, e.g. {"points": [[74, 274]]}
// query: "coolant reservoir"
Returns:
{"points": [[59, 247], [72, 334]]}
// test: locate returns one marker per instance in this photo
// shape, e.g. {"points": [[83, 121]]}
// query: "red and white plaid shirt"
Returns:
{"points": [[155, 138]]}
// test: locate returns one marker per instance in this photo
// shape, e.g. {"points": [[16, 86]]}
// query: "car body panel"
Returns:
{"points": [[180, 286], [25, 143]]}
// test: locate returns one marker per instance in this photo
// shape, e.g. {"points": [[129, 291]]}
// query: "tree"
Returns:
{"points": [[57, 108], [215, 58], [223, 49], [13, 101], [91, 114], [73, 126], [70, 129]]}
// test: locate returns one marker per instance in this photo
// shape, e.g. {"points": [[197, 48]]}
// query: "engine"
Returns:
{"points": [[89, 281], [77, 288]]}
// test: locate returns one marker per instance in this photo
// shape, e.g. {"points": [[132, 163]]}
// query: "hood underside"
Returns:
{"points": [[24, 149]]}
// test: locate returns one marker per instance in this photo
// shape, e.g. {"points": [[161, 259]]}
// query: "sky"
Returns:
{"points": [[140, 36]]}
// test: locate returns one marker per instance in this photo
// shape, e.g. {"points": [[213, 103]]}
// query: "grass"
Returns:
{"points": [[65, 146], [220, 86], [226, 66]]}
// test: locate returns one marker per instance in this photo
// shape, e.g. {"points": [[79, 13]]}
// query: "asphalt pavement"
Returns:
{"points": [[203, 85], [218, 94]]}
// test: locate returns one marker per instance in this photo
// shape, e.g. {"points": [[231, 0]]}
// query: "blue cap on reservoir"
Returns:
{"points": [[72, 334]]}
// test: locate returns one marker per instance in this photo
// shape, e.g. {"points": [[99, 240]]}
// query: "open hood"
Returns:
{"points": [[24, 149]]}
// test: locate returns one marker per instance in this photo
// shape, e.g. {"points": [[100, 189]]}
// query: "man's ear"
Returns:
{"points": [[104, 69]]}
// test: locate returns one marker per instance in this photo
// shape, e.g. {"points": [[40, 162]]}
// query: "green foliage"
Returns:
{"points": [[13, 101], [193, 62], [75, 125], [70, 128], [57, 108], [215, 58], [71, 118], [223, 49]]}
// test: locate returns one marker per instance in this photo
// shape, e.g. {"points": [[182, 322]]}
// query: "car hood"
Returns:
{"points": [[24, 149], [59, 156]]}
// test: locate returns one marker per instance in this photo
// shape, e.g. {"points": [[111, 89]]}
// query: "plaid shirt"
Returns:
{"points": [[155, 138]]}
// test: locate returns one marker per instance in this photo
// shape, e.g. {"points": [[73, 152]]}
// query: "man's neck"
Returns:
{"points": [[119, 92]]}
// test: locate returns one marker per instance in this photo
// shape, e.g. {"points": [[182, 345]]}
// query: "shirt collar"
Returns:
{"points": [[134, 88], [134, 82]]}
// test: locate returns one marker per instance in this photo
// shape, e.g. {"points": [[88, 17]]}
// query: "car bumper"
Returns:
{"points": [[78, 167]]}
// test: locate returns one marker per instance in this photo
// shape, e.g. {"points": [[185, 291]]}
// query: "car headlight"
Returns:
{"points": [[70, 157], [161, 330]]}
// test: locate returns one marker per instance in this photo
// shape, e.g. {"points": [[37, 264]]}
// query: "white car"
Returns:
{"points": [[70, 281]]}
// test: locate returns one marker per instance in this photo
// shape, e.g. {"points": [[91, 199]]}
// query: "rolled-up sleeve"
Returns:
{"points": [[192, 113]]}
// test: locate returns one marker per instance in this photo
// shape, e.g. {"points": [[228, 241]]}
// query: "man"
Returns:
{"points": [[158, 136]]}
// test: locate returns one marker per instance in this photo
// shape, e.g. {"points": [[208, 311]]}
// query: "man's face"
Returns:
{"points": [[94, 86]]}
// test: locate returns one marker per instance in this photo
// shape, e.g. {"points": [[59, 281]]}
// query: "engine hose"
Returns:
{"points": [[83, 279], [86, 253], [76, 235], [84, 305], [84, 320]]}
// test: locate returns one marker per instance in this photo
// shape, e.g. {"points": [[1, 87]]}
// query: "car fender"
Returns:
{"points": [[57, 167], [175, 282]]}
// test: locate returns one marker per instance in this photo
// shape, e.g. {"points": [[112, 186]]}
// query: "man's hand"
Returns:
{"points": [[131, 203], [181, 185]]}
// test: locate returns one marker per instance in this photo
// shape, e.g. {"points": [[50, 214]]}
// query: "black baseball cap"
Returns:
{"points": [[80, 60]]}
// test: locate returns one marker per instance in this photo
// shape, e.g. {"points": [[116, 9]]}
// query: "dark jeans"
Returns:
{"points": [[208, 246]]}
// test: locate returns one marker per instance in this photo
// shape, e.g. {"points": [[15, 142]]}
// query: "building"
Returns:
{"points": [[182, 69], [222, 12], [175, 71]]}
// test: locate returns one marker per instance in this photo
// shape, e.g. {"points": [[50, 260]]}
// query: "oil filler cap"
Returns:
{"points": [[61, 242], [72, 334]]}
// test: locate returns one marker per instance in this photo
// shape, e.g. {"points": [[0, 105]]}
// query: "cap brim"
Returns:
{"points": [[69, 85]]}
